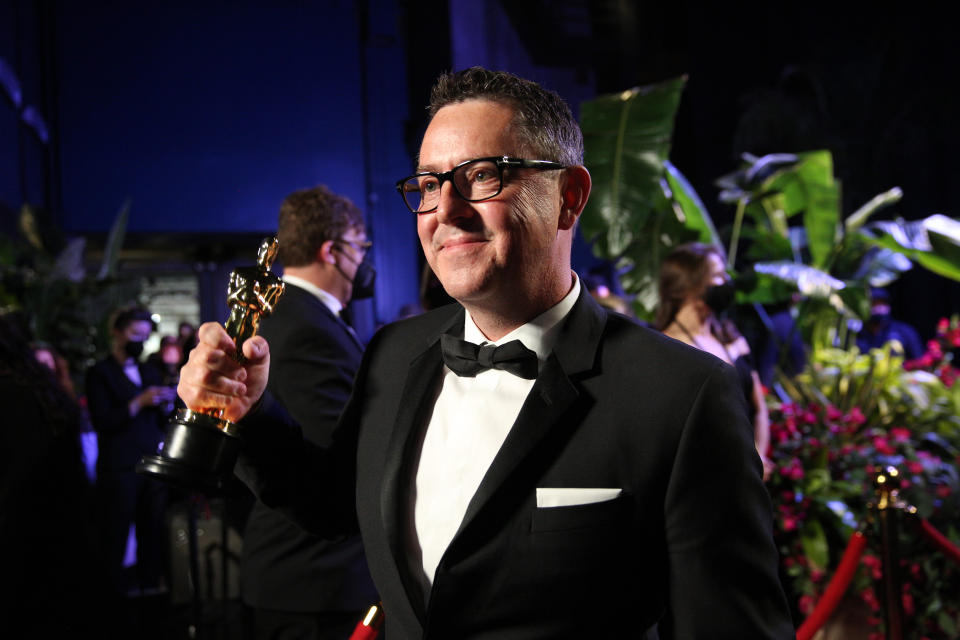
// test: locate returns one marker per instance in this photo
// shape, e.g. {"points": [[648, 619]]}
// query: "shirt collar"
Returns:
{"points": [[327, 299], [540, 334]]}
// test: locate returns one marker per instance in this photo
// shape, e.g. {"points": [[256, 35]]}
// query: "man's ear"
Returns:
{"points": [[574, 191], [326, 251]]}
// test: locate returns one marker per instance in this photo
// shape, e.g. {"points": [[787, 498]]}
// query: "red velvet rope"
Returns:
{"points": [[837, 587], [939, 540]]}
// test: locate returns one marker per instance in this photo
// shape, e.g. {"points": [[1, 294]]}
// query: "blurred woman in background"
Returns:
{"points": [[694, 290]]}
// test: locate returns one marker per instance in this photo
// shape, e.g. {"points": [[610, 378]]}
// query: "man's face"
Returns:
{"points": [[499, 249]]}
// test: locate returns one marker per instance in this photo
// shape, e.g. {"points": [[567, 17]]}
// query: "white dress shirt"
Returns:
{"points": [[471, 418], [327, 299]]}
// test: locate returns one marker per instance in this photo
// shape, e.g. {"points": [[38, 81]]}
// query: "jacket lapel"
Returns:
{"points": [[404, 445]]}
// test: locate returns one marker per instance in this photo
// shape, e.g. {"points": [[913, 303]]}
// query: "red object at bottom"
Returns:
{"points": [[369, 627], [837, 587]]}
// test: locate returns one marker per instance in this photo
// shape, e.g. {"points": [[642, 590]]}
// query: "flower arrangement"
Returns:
{"points": [[845, 418]]}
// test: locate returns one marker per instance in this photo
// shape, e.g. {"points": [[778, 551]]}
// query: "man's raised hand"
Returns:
{"points": [[212, 379]]}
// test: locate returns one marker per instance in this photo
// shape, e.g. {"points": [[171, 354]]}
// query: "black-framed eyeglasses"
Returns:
{"points": [[473, 180]]}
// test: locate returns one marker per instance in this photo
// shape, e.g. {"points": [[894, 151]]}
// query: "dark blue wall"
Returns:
{"points": [[206, 115]]}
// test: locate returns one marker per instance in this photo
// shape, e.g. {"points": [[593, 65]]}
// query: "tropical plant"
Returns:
{"points": [[788, 228], [46, 282], [641, 206], [848, 416]]}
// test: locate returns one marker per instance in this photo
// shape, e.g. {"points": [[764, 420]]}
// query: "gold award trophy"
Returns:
{"points": [[201, 447]]}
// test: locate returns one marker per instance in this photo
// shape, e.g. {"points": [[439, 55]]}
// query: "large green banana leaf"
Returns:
{"points": [[640, 205]]}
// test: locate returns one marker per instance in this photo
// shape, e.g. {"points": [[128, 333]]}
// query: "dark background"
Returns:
{"points": [[205, 115]]}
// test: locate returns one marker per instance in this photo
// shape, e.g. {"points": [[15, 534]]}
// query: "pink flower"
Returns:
{"points": [[855, 417], [789, 523], [954, 337], [943, 325], [806, 604], [875, 567], [908, 604], [914, 467], [900, 434], [882, 446], [833, 413], [792, 470]]}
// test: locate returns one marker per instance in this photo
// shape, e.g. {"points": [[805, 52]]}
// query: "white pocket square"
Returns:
{"points": [[567, 497]]}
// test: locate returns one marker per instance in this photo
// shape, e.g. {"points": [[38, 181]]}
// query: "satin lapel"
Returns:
{"points": [[551, 401], [416, 400]]}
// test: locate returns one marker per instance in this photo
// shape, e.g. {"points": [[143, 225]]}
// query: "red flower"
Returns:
{"points": [[882, 446], [954, 337], [875, 567], [914, 467], [943, 325], [855, 417], [908, 605], [942, 491], [806, 604], [900, 434]]}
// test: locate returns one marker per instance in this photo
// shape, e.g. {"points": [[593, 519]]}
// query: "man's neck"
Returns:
{"points": [[323, 278], [499, 319]]}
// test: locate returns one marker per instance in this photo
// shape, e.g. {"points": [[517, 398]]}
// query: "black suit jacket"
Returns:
{"points": [[313, 360], [687, 545], [122, 440]]}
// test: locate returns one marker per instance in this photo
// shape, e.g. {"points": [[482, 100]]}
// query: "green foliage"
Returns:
{"points": [[640, 205], [65, 307], [847, 416]]}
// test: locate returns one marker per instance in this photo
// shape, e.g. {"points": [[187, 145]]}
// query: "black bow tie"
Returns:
{"points": [[468, 359]]}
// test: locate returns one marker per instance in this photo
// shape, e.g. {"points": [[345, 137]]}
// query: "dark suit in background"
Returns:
{"points": [[286, 573], [124, 496]]}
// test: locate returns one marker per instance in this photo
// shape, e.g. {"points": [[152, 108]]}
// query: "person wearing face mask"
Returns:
{"points": [[293, 582], [881, 329], [128, 404], [694, 291]]}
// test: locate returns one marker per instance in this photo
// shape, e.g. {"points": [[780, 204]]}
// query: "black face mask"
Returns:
{"points": [[363, 279], [719, 297], [133, 348]]}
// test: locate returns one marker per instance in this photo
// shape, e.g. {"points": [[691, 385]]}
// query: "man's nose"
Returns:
{"points": [[451, 205]]}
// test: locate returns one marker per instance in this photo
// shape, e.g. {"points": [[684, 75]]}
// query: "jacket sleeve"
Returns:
{"points": [[311, 374], [109, 406], [722, 561], [313, 485]]}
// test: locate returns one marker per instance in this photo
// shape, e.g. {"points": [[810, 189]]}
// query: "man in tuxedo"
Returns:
{"points": [[296, 584], [522, 464]]}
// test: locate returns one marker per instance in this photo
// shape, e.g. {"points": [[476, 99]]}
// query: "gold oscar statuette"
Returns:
{"points": [[201, 446]]}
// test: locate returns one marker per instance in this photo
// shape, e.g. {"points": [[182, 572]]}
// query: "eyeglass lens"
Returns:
{"points": [[474, 181]]}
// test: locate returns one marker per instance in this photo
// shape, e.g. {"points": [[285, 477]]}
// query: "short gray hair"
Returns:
{"points": [[543, 120]]}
